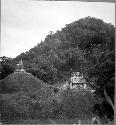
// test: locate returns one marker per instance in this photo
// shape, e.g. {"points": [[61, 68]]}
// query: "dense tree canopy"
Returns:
{"points": [[6, 67]]}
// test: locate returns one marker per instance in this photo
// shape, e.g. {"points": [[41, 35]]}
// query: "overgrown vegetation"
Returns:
{"points": [[42, 105], [86, 46]]}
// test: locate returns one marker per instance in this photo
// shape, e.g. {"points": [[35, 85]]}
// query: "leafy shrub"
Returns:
{"points": [[14, 107], [33, 105], [76, 104]]}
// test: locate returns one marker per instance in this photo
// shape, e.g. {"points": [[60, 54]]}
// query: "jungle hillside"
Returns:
{"points": [[86, 46]]}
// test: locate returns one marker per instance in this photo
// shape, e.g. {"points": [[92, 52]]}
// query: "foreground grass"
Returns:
{"points": [[56, 121], [69, 110], [53, 121]]}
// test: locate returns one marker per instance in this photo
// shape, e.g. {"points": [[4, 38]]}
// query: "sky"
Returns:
{"points": [[25, 23]]}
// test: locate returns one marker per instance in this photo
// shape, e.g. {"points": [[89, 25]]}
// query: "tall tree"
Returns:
{"points": [[6, 67]]}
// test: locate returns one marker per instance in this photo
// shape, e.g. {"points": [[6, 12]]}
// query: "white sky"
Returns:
{"points": [[24, 23]]}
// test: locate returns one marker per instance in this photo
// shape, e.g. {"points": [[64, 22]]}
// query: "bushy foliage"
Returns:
{"points": [[76, 104], [104, 72], [43, 104], [21, 106]]}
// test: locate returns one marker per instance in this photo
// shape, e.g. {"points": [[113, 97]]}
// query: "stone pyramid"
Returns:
{"points": [[20, 80]]}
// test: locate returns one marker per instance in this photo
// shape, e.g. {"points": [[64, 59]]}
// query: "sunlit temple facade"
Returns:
{"points": [[77, 81]]}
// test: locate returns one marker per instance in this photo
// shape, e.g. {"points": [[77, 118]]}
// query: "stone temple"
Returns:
{"points": [[20, 67], [77, 80]]}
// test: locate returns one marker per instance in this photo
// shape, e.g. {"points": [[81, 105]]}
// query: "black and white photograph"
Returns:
{"points": [[57, 62]]}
